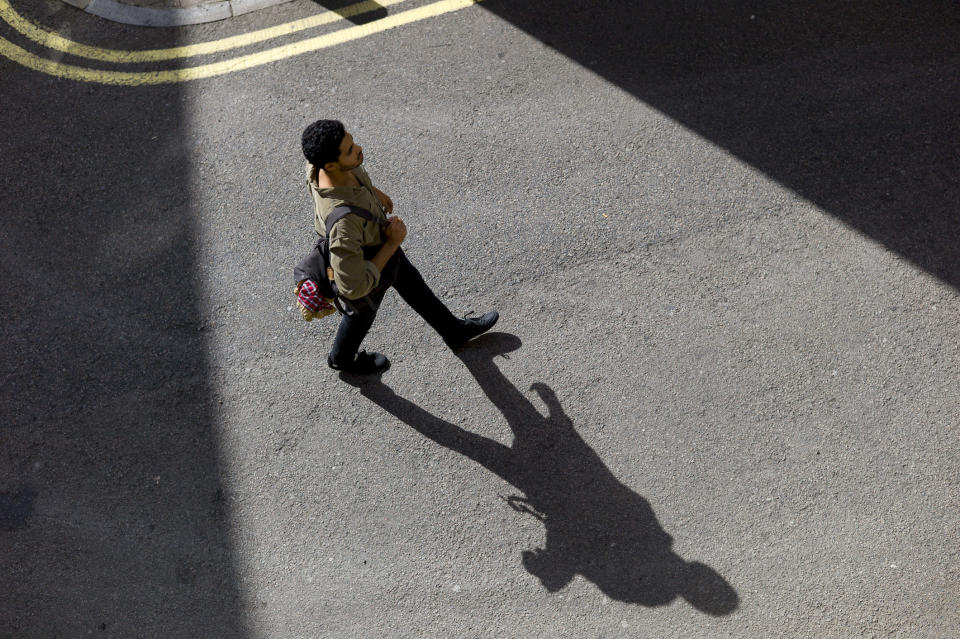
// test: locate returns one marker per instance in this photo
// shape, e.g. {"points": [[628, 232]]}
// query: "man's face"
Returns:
{"points": [[351, 155]]}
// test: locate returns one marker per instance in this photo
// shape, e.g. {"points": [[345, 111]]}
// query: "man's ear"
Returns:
{"points": [[331, 166]]}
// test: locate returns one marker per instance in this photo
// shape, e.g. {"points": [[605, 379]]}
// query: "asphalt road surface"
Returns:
{"points": [[721, 401]]}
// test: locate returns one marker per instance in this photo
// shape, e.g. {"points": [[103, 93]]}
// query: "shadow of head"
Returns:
{"points": [[636, 576], [707, 591]]}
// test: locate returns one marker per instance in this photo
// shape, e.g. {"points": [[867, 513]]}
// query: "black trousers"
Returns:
{"points": [[408, 282]]}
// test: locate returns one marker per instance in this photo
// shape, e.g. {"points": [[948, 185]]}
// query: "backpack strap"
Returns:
{"points": [[343, 211]]}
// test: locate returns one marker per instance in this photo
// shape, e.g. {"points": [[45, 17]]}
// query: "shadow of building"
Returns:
{"points": [[114, 513], [356, 12], [852, 105]]}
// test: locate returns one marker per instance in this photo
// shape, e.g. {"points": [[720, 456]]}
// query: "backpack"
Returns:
{"points": [[316, 291]]}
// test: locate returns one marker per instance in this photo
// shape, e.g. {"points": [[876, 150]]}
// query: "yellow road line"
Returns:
{"points": [[125, 78], [55, 41]]}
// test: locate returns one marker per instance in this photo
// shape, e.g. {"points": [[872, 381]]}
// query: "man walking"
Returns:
{"points": [[365, 255]]}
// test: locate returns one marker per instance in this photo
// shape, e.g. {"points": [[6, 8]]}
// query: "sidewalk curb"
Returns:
{"points": [[170, 17]]}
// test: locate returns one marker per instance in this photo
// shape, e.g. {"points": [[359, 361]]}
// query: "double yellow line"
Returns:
{"points": [[56, 42]]}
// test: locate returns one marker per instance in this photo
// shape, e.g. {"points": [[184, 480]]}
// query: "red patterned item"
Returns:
{"points": [[309, 297]]}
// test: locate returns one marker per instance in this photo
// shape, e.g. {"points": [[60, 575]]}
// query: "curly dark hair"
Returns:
{"points": [[321, 142]]}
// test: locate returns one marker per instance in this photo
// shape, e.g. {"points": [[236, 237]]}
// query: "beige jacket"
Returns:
{"points": [[354, 275]]}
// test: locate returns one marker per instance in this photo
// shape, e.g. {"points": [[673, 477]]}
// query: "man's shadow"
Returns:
{"points": [[595, 526]]}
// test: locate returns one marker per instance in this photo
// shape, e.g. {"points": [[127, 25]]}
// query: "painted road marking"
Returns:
{"points": [[127, 78], [56, 42]]}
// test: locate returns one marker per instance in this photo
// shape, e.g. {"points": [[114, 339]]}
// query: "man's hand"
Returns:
{"points": [[396, 231], [385, 201]]}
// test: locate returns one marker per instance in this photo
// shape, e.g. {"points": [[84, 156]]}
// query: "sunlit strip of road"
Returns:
{"points": [[57, 42], [127, 78]]}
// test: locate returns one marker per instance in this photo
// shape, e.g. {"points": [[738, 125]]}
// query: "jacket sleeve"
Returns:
{"points": [[354, 275]]}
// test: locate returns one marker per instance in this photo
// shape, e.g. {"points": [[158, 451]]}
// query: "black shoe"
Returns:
{"points": [[363, 364], [470, 327]]}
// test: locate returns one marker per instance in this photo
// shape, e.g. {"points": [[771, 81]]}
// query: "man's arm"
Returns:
{"points": [[395, 234], [385, 200], [354, 275]]}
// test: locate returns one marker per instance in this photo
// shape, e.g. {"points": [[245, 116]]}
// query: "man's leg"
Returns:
{"points": [[415, 292], [350, 334]]}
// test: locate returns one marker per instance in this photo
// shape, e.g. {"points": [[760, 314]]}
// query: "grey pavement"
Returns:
{"points": [[720, 402], [170, 13]]}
